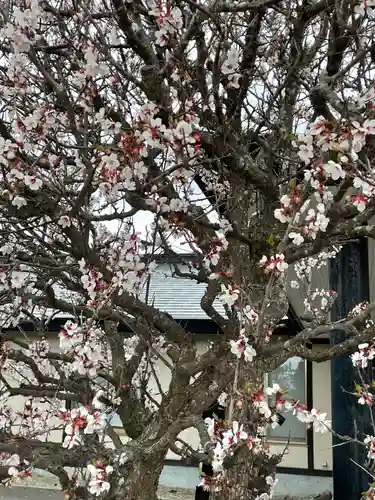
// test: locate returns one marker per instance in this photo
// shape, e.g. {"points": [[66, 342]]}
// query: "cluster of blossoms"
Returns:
{"points": [[242, 349], [70, 336], [369, 441], [92, 280], [15, 278], [8, 150], [162, 205], [17, 178], [274, 265], [18, 469], [364, 354], [322, 136], [261, 404], [23, 28], [120, 168], [231, 66], [365, 397], [99, 478], [227, 440], [348, 139], [358, 309], [359, 200], [124, 168], [39, 122], [85, 344], [128, 268], [31, 419], [304, 267], [229, 294], [315, 222], [314, 219], [319, 301], [168, 19], [320, 172], [27, 128], [129, 271], [312, 417], [290, 204], [248, 315], [179, 138], [216, 247], [81, 420]]}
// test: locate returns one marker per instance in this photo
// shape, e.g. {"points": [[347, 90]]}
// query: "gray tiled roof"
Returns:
{"points": [[180, 297]]}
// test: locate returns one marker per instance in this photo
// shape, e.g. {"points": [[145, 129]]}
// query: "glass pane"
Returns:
{"points": [[292, 376], [114, 420]]}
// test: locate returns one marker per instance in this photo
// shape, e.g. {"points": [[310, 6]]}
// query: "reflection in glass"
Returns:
{"points": [[291, 376]]}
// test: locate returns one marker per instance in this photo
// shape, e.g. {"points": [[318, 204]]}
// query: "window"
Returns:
{"points": [[292, 376], [113, 418]]}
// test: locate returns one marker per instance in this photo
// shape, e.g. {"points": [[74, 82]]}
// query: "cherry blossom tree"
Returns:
{"points": [[242, 130]]}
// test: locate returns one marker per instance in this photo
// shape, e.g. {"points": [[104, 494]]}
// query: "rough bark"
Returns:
{"points": [[247, 470], [142, 482], [246, 477]]}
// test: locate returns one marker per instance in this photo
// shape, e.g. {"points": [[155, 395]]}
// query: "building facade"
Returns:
{"points": [[307, 453]]}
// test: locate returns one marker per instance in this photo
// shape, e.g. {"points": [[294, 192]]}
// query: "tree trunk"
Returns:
{"points": [[142, 480], [246, 477], [247, 470]]}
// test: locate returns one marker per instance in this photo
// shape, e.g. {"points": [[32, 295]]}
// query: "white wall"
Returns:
{"points": [[322, 402], [17, 404], [295, 456]]}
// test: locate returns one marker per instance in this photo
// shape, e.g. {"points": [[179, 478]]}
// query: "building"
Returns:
{"points": [[308, 453]]}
